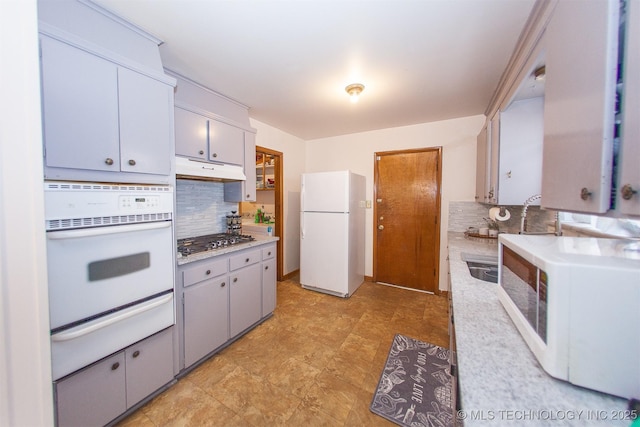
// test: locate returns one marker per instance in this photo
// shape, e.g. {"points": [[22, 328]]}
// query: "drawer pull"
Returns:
{"points": [[136, 354], [246, 260], [109, 161], [269, 254], [201, 152], [132, 162], [222, 285], [208, 272], [115, 366], [266, 267], [235, 279]]}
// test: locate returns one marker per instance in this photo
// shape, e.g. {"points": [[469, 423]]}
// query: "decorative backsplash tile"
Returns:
{"points": [[463, 215], [200, 208]]}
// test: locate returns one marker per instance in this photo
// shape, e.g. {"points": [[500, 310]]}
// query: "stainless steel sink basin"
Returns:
{"points": [[483, 267]]}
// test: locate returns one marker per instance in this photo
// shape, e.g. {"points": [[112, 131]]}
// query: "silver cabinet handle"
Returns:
{"points": [[266, 267], [135, 354], [201, 152], [208, 272], [109, 161], [235, 279], [215, 154], [222, 285], [115, 366], [132, 162], [585, 193]]}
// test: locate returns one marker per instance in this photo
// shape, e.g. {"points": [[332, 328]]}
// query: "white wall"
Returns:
{"points": [[457, 137], [25, 364], [293, 157]]}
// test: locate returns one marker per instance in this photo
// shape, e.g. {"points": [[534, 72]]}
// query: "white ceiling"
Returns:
{"points": [[290, 60]]}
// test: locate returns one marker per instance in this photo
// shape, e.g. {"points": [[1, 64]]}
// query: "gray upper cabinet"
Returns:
{"points": [[226, 143], [628, 201], [579, 106], [192, 134], [99, 116]]}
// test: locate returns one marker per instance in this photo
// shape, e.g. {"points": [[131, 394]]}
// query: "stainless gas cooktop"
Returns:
{"points": [[211, 242]]}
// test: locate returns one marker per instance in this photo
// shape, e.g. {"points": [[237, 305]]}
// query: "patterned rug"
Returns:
{"points": [[415, 386]]}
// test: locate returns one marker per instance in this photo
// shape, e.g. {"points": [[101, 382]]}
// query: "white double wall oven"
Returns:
{"points": [[110, 267]]}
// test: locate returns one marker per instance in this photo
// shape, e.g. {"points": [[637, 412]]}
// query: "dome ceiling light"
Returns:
{"points": [[354, 91]]}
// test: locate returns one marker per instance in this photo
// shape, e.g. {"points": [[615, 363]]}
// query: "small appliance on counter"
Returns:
{"points": [[575, 302]]}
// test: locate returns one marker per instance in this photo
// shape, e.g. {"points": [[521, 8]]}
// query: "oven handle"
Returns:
{"points": [[77, 333], [102, 231]]}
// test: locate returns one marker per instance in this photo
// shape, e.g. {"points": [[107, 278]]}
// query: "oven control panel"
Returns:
{"points": [[139, 202]]}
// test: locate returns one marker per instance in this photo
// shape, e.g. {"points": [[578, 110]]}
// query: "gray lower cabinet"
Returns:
{"points": [[245, 297], [206, 318], [222, 297], [268, 279], [101, 392]]}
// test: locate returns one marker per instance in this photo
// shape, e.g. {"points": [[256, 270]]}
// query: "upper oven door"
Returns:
{"points": [[94, 270]]}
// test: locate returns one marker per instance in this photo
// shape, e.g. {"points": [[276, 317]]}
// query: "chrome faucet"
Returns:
{"points": [[523, 218]]}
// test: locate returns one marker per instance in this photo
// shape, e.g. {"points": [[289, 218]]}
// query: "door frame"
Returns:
{"points": [[278, 193], [438, 210]]}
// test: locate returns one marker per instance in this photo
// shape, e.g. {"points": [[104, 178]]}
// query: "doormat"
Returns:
{"points": [[415, 386]]}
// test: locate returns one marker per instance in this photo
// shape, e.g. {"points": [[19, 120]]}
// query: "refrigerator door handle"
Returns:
{"points": [[302, 225]]}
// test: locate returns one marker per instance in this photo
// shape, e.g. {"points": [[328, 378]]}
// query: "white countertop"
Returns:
{"points": [[259, 240], [500, 380]]}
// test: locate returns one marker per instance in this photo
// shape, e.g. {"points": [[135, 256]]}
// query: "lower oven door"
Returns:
{"points": [[94, 271], [77, 347]]}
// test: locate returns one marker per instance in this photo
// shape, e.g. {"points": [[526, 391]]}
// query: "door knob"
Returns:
{"points": [[381, 227]]}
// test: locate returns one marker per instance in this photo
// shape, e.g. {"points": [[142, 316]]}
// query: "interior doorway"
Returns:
{"points": [[406, 238], [269, 191]]}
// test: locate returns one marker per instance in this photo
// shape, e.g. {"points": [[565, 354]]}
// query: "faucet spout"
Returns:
{"points": [[523, 218]]}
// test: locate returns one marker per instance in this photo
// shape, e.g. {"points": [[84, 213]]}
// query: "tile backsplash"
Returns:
{"points": [[200, 208], [463, 215]]}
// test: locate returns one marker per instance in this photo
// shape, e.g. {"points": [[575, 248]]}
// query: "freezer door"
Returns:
{"points": [[325, 192], [324, 251]]}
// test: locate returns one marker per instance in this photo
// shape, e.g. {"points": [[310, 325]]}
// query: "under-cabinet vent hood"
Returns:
{"points": [[200, 170]]}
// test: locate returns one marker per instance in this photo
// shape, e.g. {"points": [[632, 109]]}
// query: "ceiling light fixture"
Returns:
{"points": [[539, 73], [354, 91]]}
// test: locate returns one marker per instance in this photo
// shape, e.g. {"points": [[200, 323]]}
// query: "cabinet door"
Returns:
{"points": [[244, 191], [191, 134], [206, 318], [245, 298], [149, 365], [481, 166], [226, 143], [629, 198], [520, 168], [146, 111], [93, 396], [268, 286], [579, 106], [493, 160], [80, 108]]}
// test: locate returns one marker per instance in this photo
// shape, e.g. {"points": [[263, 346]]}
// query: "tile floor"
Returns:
{"points": [[316, 362]]}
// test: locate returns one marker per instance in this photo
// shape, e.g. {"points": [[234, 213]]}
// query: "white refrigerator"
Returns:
{"points": [[332, 230]]}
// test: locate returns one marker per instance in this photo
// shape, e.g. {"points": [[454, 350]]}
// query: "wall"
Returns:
{"points": [[25, 360], [457, 137], [293, 163]]}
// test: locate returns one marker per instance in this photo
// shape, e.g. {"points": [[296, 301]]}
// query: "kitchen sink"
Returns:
{"points": [[483, 267]]}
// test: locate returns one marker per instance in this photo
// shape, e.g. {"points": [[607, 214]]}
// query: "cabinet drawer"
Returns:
{"points": [[268, 252], [204, 271], [247, 258]]}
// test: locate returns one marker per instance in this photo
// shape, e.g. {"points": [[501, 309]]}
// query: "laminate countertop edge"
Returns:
{"points": [[500, 380]]}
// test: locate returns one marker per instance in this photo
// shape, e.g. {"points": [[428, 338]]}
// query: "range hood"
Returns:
{"points": [[205, 171]]}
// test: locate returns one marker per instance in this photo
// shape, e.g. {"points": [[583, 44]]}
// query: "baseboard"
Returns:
{"points": [[368, 278], [291, 275]]}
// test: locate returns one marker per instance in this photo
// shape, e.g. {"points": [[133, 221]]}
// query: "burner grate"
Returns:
{"points": [[209, 242]]}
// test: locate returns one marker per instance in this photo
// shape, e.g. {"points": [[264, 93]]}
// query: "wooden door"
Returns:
{"points": [[407, 218]]}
